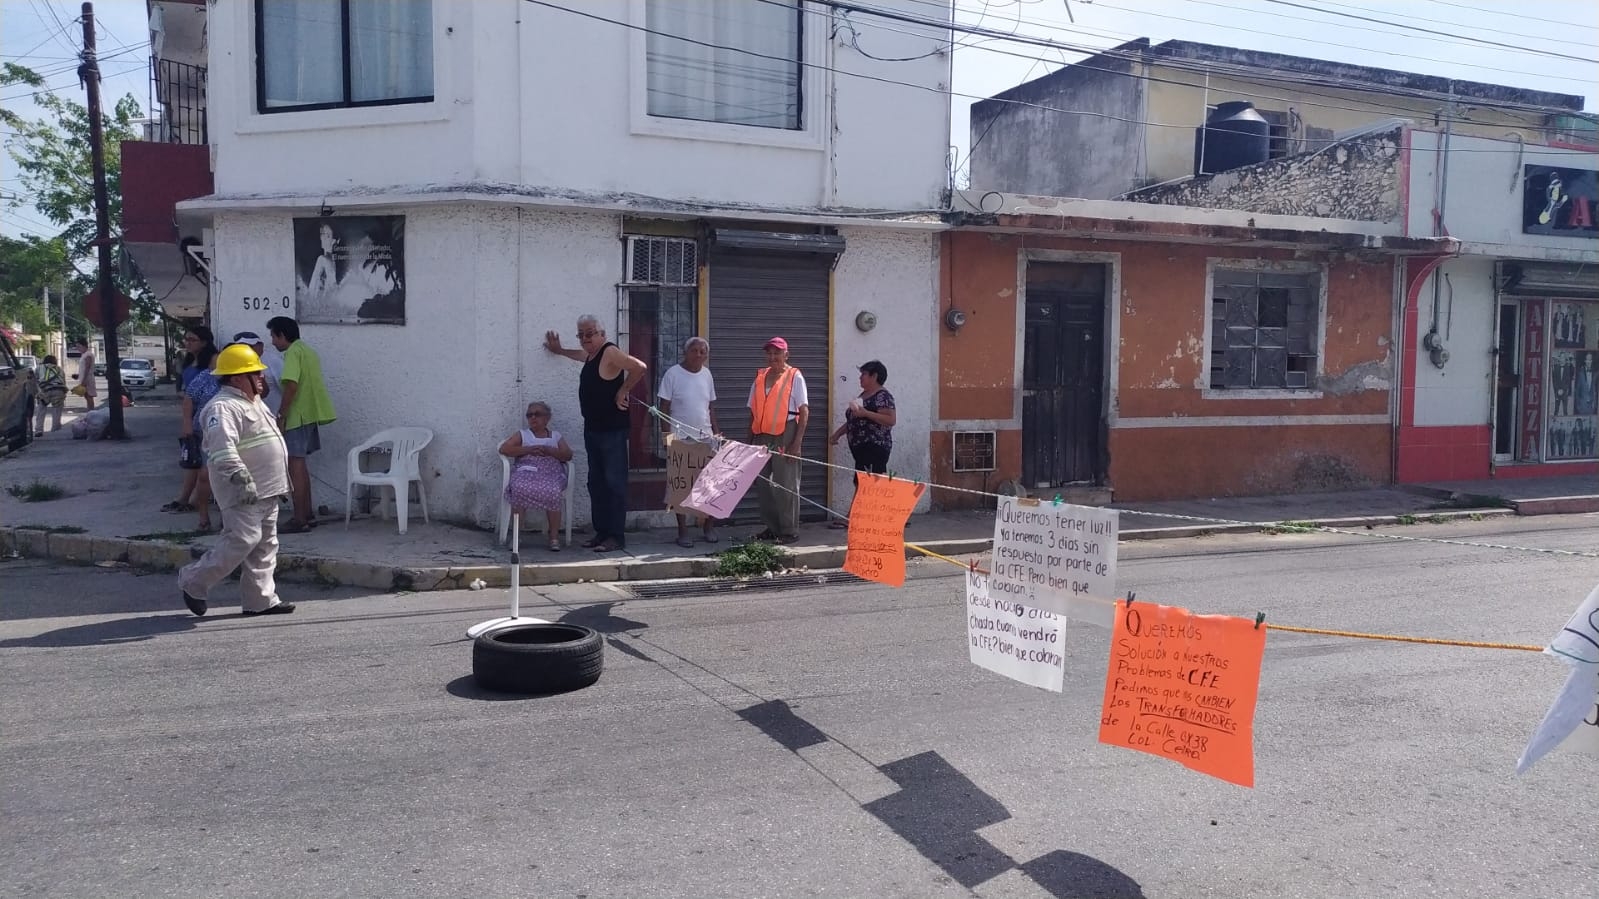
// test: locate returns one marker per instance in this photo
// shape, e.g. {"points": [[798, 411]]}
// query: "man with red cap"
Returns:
{"points": [[779, 412]]}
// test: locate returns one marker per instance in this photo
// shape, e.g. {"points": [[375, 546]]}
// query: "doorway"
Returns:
{"points": [[1063, 374], [1507, 381]]}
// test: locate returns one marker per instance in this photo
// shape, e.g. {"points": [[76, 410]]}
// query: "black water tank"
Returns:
{"points": [[1234, 135]]}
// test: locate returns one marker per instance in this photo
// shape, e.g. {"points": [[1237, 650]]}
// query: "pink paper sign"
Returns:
{"points": [[725, 479]]}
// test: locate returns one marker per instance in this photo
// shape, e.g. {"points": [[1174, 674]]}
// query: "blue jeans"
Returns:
{"points": [[607, 455]]}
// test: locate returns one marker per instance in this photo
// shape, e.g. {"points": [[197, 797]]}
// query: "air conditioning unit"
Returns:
{"points": [[662, 261]]}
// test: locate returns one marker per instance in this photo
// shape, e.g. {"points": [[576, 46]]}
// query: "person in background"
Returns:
{"points": [[869, 423], [202, 386], [85, 375], [50, 396], [538, 470], [196, 340], [779, 411], [273, 376], [687, 394], [603, 386], [249, 471], [306, 406]]}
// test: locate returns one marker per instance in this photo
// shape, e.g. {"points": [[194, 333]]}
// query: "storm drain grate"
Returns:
{"points": [[711, 586]]}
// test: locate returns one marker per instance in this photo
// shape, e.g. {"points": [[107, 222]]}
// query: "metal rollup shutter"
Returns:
{"points": [[755, 296]]}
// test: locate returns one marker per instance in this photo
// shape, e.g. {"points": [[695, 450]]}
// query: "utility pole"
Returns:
{"points": [[89, 73]]}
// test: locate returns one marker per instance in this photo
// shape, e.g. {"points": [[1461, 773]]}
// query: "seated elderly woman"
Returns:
{"points": [[538, 471]]}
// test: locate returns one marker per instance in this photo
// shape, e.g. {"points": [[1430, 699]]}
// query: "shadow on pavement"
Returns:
{"points": [[107, 633], [938, 811], [465, 687], [599, 617]]}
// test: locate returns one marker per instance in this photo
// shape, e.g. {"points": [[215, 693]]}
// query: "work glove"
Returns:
{"points": [[247, 494]]}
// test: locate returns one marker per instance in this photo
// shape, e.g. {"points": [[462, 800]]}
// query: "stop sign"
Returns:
{"points": [[92, 307]]}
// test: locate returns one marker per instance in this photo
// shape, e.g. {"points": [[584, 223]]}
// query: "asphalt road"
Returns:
{"points": [[819, 742]]}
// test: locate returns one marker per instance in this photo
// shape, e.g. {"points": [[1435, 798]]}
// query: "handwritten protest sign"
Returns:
{"points": [[1058, 557], [1019, 642], [1183, 686], [876, 541], [725, 479], [1572, 722], [685, 459]]}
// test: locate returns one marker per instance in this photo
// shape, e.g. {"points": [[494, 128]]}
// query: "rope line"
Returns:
{"points": [[1199, 519], [1289, 628]]}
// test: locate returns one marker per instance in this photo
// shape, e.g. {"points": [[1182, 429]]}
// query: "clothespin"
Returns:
{"points": [[1259, 618], [891, 474], [1057, 499], [1131, 595], [974, 564]]}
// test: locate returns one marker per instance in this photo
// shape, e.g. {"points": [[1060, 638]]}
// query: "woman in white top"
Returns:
{"points": [[538, 472]]}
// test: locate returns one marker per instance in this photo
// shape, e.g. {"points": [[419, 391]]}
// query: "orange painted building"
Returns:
{"points": [[1184, 358]]}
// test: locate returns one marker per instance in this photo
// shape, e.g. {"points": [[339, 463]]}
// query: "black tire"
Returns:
{"points": [[538, 658]]}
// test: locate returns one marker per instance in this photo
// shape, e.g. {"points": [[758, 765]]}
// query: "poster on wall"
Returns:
{"points": [[350, 269], [1559, 201], [1568, 325], [1532, 383]]}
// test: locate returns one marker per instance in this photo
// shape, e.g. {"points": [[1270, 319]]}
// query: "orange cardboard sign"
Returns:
{"points": [[1183, 686], [877, 516]]}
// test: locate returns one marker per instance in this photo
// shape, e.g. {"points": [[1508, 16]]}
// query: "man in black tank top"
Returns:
{"points": [[602, 393]]}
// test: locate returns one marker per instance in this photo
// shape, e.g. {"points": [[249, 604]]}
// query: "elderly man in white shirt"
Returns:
{"points": [[688, 395]]}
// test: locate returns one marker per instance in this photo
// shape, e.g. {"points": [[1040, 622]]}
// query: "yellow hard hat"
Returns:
{"points": [[237, 359]]}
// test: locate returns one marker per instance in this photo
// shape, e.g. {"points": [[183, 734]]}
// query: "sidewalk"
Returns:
{"points": [[111, 515]]}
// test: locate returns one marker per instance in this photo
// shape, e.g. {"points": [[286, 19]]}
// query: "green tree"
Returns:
{"points": [[27, 266], [55, 166]]}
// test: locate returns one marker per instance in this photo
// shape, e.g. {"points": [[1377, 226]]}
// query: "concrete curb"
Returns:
{"points": [[159, 556]]}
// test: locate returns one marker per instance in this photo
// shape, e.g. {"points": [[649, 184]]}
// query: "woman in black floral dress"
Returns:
{"points": [[869, 423]]}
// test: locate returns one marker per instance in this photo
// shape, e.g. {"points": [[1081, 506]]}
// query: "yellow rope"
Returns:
{"points": [[1359, 635]]}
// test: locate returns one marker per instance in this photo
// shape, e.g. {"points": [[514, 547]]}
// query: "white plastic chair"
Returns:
{"points": [[404, 467], [505, 504]]}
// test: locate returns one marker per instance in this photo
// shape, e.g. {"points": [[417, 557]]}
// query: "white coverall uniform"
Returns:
{"points": [[242, 438]]}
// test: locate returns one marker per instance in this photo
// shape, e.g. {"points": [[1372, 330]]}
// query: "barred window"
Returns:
{"points": [[1263, 329]]}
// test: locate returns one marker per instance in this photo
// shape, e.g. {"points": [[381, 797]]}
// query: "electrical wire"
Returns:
{"points": [[922, 87], [1518, 14], [1327, 43], [1536, 37], [1420, 30], [1203, 67]]}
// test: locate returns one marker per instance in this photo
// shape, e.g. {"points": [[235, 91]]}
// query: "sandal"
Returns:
{"points": [[787, 539], [839, 524], [176, 506], [711, 537], [293, 526], [765, 536], [685, 542], [555, 546], [608, 546]]}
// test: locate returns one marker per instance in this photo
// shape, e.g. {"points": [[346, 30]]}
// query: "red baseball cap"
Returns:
{"points": [[778, 342]]}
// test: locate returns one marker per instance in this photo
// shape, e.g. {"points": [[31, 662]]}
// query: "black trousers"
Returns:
{"points": [[870, 457]]}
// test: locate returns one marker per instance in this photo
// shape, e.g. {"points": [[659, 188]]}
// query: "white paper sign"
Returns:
{"points": [[1058, 557], [1572, 722], [1021, 643]]}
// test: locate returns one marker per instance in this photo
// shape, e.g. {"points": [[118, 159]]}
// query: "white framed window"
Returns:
{"points": [[324, 54], [1266, 324], [733, 62]]}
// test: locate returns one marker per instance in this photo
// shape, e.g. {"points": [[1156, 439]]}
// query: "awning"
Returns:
{"points": [[777, 241]]}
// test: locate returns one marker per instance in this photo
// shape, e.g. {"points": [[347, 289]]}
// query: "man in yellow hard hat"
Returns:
{"points": [[249, 470]]}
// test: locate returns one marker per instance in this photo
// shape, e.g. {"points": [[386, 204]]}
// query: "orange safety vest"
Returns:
{"points": [[769, 410]]}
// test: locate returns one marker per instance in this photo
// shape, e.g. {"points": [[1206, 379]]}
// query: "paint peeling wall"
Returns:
{"points": [[1358, 180], [1170, 436]]}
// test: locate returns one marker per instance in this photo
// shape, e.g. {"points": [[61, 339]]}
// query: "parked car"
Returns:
{"points": [[138, 373], [99, 369], [31, 363], [16, 406]]}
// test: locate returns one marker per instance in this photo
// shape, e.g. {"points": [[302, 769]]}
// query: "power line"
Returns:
{"points": [[1536, 37], [1519, 14], [1417, 28], [921, 87], [1325, 43], [1340, 104], [1203, 67]]}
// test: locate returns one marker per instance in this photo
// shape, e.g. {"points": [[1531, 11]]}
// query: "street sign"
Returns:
{"points": [[92, 307]]}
